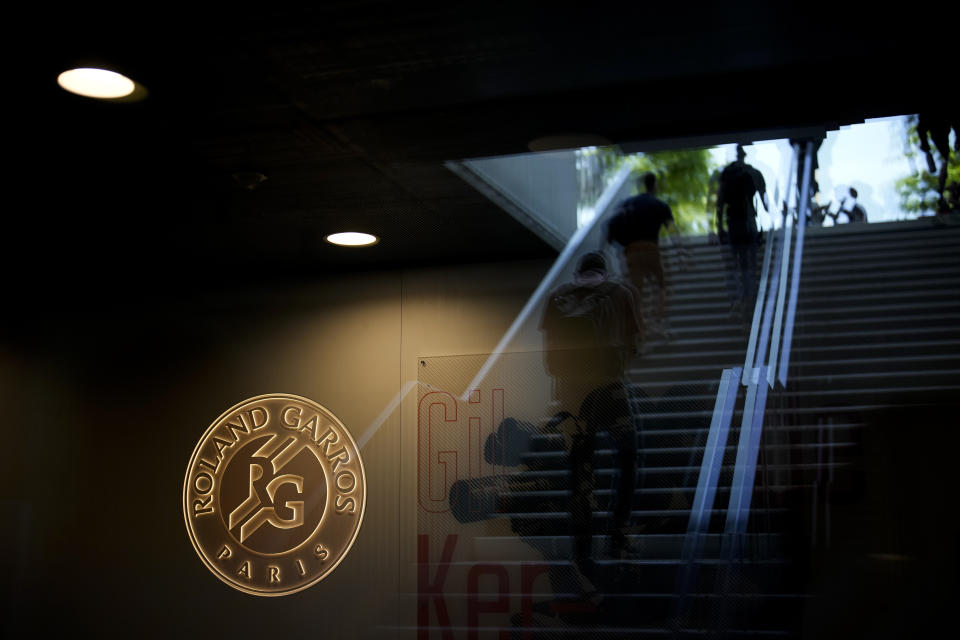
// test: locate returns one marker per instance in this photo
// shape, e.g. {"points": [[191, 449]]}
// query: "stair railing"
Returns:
{"points": [[717, 436], [760, 319], [797, 260], [705, 494], [741, 492], [773, 312]]}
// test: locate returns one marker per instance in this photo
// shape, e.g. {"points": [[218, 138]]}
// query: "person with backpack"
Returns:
{"points": [[737, 225], [591, 330]]}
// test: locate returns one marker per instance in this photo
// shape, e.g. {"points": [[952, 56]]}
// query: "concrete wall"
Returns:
{"points": [[538, 185]]}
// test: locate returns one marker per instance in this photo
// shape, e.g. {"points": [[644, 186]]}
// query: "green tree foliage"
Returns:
{"points": [[918, 191], [686, 181]]}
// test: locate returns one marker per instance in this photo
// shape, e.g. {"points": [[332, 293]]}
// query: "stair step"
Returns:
{"points": [[660, 546]]}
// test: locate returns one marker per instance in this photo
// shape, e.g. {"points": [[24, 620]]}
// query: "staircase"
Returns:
{"points": [[876, 328]]}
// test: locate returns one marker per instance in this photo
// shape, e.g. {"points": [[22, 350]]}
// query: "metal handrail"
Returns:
{"points": [[707, 483], [751, 428], [758, 378], [781, 291], [764, 338], [795, 278], [768, 318], [750, 361]]}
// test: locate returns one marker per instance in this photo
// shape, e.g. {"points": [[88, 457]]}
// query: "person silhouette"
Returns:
{"points": [[737, 225], [635, 227], [814, 165], [590, 328], [935, 126], [851, 208]]}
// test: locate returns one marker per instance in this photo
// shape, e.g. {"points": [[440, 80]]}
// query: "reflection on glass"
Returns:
{"points": [[557, 490]]}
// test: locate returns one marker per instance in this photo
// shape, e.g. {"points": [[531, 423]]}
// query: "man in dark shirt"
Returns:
{"points": [[636, 227], [738, 183]]}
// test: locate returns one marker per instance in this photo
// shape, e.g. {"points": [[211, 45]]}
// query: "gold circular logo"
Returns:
{"points": [[274, 494]]}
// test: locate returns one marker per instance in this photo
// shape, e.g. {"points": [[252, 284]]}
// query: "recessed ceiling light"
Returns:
{"points": [[96, 83], [352, 239]]}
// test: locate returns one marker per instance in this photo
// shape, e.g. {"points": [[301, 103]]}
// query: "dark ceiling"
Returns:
{"points": [[350, 108]]}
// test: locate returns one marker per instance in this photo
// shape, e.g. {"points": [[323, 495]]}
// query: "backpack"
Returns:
{"points": [[588, 321], [578, 316]]}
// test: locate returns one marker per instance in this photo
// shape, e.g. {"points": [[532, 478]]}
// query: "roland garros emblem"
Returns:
{"points": [[274, 494]]}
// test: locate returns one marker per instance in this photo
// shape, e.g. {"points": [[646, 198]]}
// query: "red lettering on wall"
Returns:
{"points": [[446, 439], [428, 590], [475, 606], [431, 495]]}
